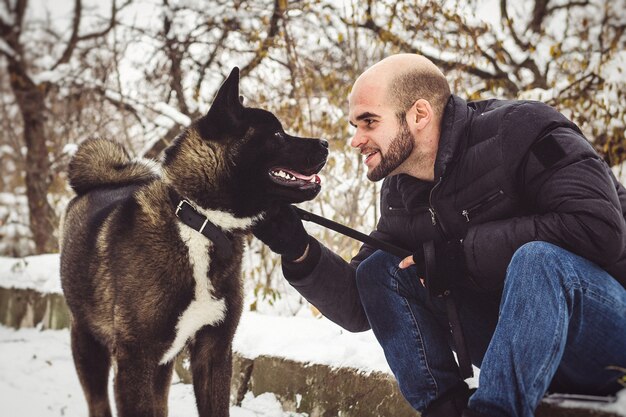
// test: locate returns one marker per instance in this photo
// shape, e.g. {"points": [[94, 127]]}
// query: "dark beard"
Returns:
{"points": [[399, 150]]}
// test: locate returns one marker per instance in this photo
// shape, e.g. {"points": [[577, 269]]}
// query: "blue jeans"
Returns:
{"points": [[559, 325]]}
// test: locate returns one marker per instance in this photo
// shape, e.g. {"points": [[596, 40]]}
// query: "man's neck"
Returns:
{"points": [[420, 165]]}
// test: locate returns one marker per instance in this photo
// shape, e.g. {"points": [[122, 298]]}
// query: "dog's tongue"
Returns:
{"points": [[300, 176], [289, 175]]}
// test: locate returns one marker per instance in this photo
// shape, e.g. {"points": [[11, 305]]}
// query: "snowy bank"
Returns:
{"points": [[37, 379], [302, 339], [302, 364]]}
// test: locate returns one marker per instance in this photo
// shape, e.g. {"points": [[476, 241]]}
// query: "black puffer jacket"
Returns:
{"points": [[507, 173]]}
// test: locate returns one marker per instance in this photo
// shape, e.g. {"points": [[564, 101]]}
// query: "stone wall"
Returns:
{"points": [[28, 308]]}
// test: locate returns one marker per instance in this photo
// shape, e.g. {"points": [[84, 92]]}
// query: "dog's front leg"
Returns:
{"points": [[211, 365]]}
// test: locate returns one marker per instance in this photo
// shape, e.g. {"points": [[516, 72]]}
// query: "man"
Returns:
{"points": [[505, 204]]}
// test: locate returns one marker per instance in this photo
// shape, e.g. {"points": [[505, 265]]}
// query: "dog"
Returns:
{"points": [[151, 252]]}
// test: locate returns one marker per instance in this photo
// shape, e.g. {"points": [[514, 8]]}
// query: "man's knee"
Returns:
{"points": [[541, 262], [539, 254], [373, 270]]}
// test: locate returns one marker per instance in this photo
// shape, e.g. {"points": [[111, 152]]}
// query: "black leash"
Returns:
{"points": [[465, 365], [354, 234]]}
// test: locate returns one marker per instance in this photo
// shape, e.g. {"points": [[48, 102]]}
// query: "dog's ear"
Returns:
{"points": [[226, 110]]}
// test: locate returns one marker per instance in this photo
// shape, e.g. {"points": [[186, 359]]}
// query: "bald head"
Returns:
{"points": [[404, 79]]}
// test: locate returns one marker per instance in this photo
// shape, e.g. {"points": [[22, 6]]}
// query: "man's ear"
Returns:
{"points": [[226, 109], [420, 114]]}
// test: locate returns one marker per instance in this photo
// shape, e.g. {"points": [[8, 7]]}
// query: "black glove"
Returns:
{"points": [[283, 232], [444, 267]]}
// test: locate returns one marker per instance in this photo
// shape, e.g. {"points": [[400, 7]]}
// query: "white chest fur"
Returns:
{"points": [[204, 309]]}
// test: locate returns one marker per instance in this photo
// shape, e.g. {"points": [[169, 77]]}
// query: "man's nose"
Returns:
{"points": [[357, 140]]}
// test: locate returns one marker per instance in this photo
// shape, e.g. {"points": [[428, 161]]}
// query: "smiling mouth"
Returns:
{"points": [[294, 179], [369, 155]]}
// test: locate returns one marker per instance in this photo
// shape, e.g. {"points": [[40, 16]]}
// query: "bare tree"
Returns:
{"points": [[550, 50], [185, 58], [30, 95]]}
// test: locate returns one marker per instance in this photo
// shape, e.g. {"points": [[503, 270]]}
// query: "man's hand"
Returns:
{"points": [[416, 259], [283, 232], [449, 265], [408, 261]]}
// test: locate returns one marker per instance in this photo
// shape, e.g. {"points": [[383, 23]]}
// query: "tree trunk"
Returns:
{"points": [[30, 100]]}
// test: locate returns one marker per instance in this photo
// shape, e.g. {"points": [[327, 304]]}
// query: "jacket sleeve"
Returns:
{"points": [[571, 199], [329, 283]]}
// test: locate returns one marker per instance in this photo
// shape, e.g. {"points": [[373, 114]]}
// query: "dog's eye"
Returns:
{"points": [[278, 135]]}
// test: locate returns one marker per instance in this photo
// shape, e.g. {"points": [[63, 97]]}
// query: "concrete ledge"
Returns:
{"points": [[29, 308], [319, 390]]}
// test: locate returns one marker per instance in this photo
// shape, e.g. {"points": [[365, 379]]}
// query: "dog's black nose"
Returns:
{"points": [[324, 143]]}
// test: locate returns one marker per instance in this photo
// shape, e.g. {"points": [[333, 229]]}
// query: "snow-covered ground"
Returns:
{"points": [[37, 377], [303, 339]]}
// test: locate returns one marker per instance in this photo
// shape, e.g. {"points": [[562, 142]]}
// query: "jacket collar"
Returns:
{"points": [[454, 128]]}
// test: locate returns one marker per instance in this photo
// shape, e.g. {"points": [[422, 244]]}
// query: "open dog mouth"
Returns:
{"points": [[294, 179]]}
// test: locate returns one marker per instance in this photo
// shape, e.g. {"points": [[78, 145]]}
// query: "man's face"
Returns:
{"points": [[383, 139], [399, 150]]}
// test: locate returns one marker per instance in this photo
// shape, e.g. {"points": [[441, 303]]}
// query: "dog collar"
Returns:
{"points": [[200, 223]]}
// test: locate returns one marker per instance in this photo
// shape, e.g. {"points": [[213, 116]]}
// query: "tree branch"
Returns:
{"points": [[10, 31], [112, 22], [509, 24], [567, 6], [20, 10], [280, 6], [539, 13], [71, 43], [384, 34], [75, 38], [5, 28], [205, 65], [174, 54]]}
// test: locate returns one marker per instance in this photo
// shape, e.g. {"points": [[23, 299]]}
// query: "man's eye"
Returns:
{"points": [[368, 122]]}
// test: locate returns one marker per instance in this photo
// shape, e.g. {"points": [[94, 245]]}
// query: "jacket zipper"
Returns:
{"points": [[476, 207], [433, 212], [412, 210]]}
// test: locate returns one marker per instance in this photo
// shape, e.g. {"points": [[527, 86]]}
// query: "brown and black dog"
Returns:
{"points": [[151, 252]]}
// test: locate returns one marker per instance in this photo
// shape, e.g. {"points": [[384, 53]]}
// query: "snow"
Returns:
{"points": [[308, 340], [70, 149], [302, 339], [37, 376], [620, 172], [618, 407], [172, 113], [16, 237], [37, 379], [39, 272], [52, 76], [6, 49]]}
